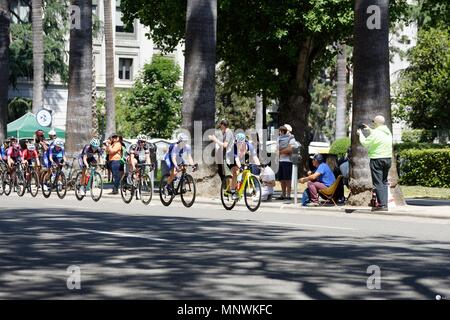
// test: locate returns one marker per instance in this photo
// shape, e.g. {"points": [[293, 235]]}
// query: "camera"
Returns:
{"points": [[361, 126]]}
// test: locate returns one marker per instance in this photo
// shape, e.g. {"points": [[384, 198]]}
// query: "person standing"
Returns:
{"points": [[379, 148], [286, 142], [224, 144], [114, 151]]}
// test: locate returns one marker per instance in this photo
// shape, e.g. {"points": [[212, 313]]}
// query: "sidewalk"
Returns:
{"points": [[420, 208]]}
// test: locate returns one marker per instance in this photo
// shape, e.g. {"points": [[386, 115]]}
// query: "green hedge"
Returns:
{"points": [[340, 146], [418, 145], [428, 167]]}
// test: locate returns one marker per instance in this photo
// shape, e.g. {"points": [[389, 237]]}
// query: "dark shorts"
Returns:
{"points": [[89, 161], [284, 171]]}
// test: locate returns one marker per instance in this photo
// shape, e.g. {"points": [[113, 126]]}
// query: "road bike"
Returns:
{"points": [[14, 181], [31, 180], [137, 183], [93, 183], [71, 174], [248, 187], [183, 186], [54, 179]]}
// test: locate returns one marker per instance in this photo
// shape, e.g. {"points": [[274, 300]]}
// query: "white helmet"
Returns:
{"points": [[240, 137], [59, 143], [31, 147], [52, 133], [141, 137], [182, 137]]}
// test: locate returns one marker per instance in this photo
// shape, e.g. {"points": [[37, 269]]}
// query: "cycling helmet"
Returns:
{"points": [[59, 143], [182, 137], [240, 137], [95, 143], [31, 147], [142, 137], [11, 139], [39, 133], [52, 133]]}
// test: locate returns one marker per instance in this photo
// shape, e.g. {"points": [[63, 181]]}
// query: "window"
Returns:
{"points": [[120, 27], [125, 69]]}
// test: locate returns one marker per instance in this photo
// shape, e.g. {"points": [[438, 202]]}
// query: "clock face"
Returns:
{"points": [[44, 118]]}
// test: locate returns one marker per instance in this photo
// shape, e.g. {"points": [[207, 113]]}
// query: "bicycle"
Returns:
{"points": [[54, 178], [72, 174], [93, 182], [3, 169], [249, 188], [185, 185], [32, 183], [142, 184], [17, 182]]}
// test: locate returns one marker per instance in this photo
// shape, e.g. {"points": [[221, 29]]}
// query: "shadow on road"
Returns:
{"points": [[157, 257]]}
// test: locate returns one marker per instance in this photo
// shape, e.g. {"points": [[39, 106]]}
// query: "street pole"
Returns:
{"points": [[295, 182]]}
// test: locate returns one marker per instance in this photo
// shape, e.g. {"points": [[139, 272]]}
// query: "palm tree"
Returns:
{"points": [[5, 21], [199, 70], [78, 121], [341, 130], [109, 49], [38, 55], [371, 94]]}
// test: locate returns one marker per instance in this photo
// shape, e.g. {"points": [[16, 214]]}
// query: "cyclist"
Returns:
{"points": [[138, 153], [52, 137], [30, 155], [242, 149], [87, 158], [41, 146], [14, 154], [4, 150], [174, 156]]}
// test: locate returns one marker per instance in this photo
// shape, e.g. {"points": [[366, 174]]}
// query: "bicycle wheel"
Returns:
{"points": [[252, 194], [126, 190], [33, 184], [146, 189], [78, 187], [2, 191], [6, 182], [225, 194], [188, 191], [71, 180], [47, 184], [96, 187], [20, 185], [166, 192], [61, 185]]}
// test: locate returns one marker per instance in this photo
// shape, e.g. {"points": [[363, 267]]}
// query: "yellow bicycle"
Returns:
{"points": [[248, 187]]}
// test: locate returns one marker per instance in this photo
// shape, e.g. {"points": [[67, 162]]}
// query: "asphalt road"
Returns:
{"points": [[154, 252]]}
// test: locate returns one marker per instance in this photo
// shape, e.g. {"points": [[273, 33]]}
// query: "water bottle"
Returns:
{"points": [[176, 182], [239, 182]]}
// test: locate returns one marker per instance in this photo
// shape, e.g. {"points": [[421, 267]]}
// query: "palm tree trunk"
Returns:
{"points": [[341, 93], [95, 129], [199, 76], [78, 121], [38, 55], [371, 95], [5, 21], [109, 49]]}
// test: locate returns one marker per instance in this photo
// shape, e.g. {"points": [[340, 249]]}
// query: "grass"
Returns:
{"points": [[425, 192]]}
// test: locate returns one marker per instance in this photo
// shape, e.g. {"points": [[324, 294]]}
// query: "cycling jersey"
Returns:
{"points": [[243, 153], [3, 153], [14, 152], [90, 153], [55, 155], [139, 151], [176, 151], [40, 148], [29, 155]]}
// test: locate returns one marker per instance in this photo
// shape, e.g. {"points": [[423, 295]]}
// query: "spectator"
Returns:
{"points": [[379, 148], [114, 150], [332, 162], [286, 142], [344, 166], [268, 182], [224, 144], [322, 178]]}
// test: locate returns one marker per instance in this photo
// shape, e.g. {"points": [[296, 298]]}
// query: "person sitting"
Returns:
{"points": [[333, 163], [322, 178]]}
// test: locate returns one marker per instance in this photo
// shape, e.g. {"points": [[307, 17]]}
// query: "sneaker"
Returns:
{"points": [[114, 192], [45, 187], [168, 189], [312, 204], [129, 180], [381, 208], [234, 196], [281, 198], [82, 192]]}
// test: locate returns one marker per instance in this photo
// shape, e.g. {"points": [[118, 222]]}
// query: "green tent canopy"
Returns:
{"points": [[26, 126]]}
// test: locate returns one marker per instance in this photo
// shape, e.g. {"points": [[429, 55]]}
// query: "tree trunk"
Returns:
{"points": [[295, 109], [259, 114], [95, 128], [341, 104], [110, 75], [371, 94], [79, 103], [38, 55], [5, 21], [199, 83]]}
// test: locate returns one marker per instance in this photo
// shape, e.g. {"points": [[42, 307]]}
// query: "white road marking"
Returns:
{"points": [[305, 225], [121, 234]]}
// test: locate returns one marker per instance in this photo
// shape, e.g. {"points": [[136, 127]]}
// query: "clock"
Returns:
{"points": [[44, 118]]}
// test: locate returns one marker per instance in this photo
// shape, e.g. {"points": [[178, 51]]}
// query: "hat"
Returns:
{"points": [[318, 157], [288, 127]]}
